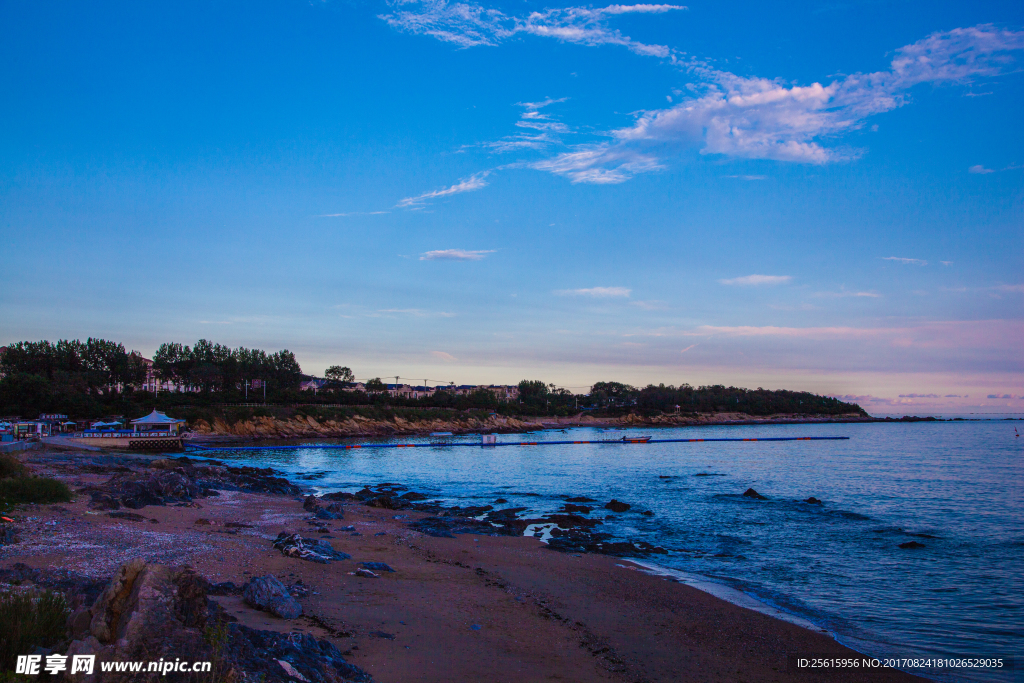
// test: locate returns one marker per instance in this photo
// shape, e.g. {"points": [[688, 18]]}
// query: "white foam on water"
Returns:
{"points": [[727, 593], [541, 532]]}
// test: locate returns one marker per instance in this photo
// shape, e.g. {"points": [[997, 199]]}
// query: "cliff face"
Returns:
{"points": [[303, 426], [306, 426]]}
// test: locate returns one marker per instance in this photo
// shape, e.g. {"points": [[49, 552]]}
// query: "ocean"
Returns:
{"points": [[953, 487]]}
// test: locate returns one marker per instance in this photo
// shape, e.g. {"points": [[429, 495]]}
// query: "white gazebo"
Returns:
{"points": [[157, 422]]}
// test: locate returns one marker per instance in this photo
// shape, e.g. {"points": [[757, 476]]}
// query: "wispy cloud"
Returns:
{"points": [[473, 182], [1004, 396], [467, 24], [979, 169], [747, 177], [414, 312], [596, 292], [599, 164], [352, 213], [843, 294], [919, 396], [446, 357], [757, 280], [544, 129], [455, 255], [908, 261], [1016, 289]]}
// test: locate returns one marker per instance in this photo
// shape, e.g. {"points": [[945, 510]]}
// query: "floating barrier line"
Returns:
{"points": [[441, 444]]}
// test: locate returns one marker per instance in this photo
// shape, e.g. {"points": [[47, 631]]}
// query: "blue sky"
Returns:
{"points": [[819, 195]]}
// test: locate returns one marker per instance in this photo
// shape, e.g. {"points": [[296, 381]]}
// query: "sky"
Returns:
{"points": [[823, 195]]}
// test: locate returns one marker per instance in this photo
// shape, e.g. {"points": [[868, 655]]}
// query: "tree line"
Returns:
{"points": [[98, 377]]}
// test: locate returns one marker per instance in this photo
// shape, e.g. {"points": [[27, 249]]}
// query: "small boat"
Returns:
{"points": [[636, 439]]}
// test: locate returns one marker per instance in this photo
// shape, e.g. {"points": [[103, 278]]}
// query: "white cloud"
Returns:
{"points": [[470, 25], [455, 255], [1017, 289], [908, 261], [761, 118], [474, 182], [446, 357], [758, 280], [599, 164], [596, 292], [978, 168]]}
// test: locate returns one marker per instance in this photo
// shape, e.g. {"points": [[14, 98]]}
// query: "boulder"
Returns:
{"points": [[751, 493], [617, 506], [912, 545], [813, 501], [268, 594], [413, 496], [570, 507]]}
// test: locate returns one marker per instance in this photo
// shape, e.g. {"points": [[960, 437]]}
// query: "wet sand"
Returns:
{"points": [[470, 608]]}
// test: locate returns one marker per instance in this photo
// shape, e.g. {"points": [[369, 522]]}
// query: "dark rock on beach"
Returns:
{"points": [[268, 594], [751, 493], [446, 527], [377, 566], [320, 551]]}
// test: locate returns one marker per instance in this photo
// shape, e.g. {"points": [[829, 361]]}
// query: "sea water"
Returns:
{"points": [[954, 487]]}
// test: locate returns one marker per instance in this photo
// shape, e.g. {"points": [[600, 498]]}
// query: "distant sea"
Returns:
{"points": [[954, 487]]}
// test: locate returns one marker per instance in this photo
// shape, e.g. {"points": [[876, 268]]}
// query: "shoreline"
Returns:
{"points": [[267, 428], [511, 607]]}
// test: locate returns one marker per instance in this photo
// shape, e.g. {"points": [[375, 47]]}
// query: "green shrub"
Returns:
{"points": [[23, 490], [28, 622], [11, 467]]}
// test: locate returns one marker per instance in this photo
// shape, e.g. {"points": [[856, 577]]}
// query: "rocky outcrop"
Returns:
{"points": [[182, 480], [151, 611], [304, 425], [617, 506], [751, 493]]}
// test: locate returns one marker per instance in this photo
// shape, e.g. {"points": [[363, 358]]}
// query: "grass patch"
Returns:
{"points": [[11, 466], [26, 490], [28, 622]]}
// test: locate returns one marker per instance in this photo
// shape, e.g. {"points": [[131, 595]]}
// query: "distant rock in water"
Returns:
{"points": [[813, 501], [500, 501], [570, 507], [910, 545], [580, 499], [751, 493], [617, 506]]}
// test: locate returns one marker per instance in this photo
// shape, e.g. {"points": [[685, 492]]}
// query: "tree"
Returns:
{"points": [[375, 386], [341, 374]]}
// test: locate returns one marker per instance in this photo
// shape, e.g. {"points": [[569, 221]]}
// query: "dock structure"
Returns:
{"points": [[496, 444]]}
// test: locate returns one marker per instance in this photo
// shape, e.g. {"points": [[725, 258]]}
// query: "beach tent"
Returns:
{"points": [[157, 421]]}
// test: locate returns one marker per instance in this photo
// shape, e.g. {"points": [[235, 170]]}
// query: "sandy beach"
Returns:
{"points": [[469, 608]]}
